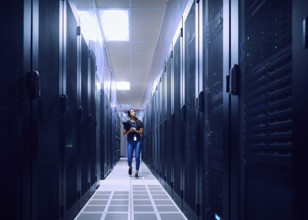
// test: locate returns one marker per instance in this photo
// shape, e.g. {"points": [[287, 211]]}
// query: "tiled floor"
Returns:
{"points": [[121, 196]]}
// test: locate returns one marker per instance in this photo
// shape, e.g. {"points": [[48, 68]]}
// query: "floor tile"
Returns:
{"points": [[143, 209], [116, 216], [118, 209], [89, 216], [122, 197], [96, 208], [172, 216], [145, 216]]}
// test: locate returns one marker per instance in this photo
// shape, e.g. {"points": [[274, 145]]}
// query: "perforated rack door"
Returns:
{"points": [[213, 157], [266, 107]]}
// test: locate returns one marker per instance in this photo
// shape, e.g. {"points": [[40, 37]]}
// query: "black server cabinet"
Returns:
{"points": [[117, 137], [265, 101], [92, 121], [153, 114], [267, 110], [163, 123], [158, 131], [29, 115], [15, 108], [106, 136], [160, 153], [177, 131], [214, 162], [102, 134], [84, 131], [146, 136], [150, 135], [47, 115], [110, 137], [113, 124], [69, 100], [156, 139], [114, 137], [168, 129], [190, 116], [300, 106]]}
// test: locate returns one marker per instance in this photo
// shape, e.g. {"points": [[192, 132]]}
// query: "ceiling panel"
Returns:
{"points": [[124, 97], [120, 63], [148, 3], [118, 47], [143, 47], [83, 5], [141, 77], [112, 3], [145, 25], [122, 76], [141, 62]]}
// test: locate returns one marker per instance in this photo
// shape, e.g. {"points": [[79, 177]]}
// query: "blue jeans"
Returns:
{"points": [[131, 146]]}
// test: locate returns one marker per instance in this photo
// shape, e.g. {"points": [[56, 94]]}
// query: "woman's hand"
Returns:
{"points": [[129, 131]]}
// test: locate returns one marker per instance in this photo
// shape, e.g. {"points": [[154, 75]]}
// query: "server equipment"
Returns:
{"points": [[237, 72], [49, 155]]}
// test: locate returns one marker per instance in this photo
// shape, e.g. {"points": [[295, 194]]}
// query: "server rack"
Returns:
{"points": [[264, 107], [162, 130], [168, 126], [69, 123], [215, 154], [245, 116], [117, 136], [102, 134], [47, 94], [47, 114], [190, 115], [300, 106], [92, 121], [108, 137], [84, 134], [177, 131]]}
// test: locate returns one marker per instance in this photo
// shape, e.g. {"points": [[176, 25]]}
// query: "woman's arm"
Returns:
{"points": [[140, 131], [127, 132]]}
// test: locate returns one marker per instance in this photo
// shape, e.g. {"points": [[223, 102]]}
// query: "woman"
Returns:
{"points": [[133, 140]]}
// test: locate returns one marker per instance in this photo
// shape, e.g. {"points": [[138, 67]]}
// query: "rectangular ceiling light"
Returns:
{"points": [[123, 85], [89, 26], [115, 25]]}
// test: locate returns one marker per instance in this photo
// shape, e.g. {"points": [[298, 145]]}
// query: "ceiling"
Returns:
{"points": [[132, 60]]}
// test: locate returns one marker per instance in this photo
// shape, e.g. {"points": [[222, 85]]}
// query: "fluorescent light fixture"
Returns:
{"points": [[123, 85], [115, 24], [89, 26]]}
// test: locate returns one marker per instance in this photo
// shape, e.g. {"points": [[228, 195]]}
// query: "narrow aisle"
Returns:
{"points": [[122, 197]]}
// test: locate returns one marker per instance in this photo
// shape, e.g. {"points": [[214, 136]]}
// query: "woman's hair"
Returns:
{"points": [[129, 114], [137, 120]]}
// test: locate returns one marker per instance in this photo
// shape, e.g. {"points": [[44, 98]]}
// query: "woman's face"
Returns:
{"points": [[132, 113]]}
